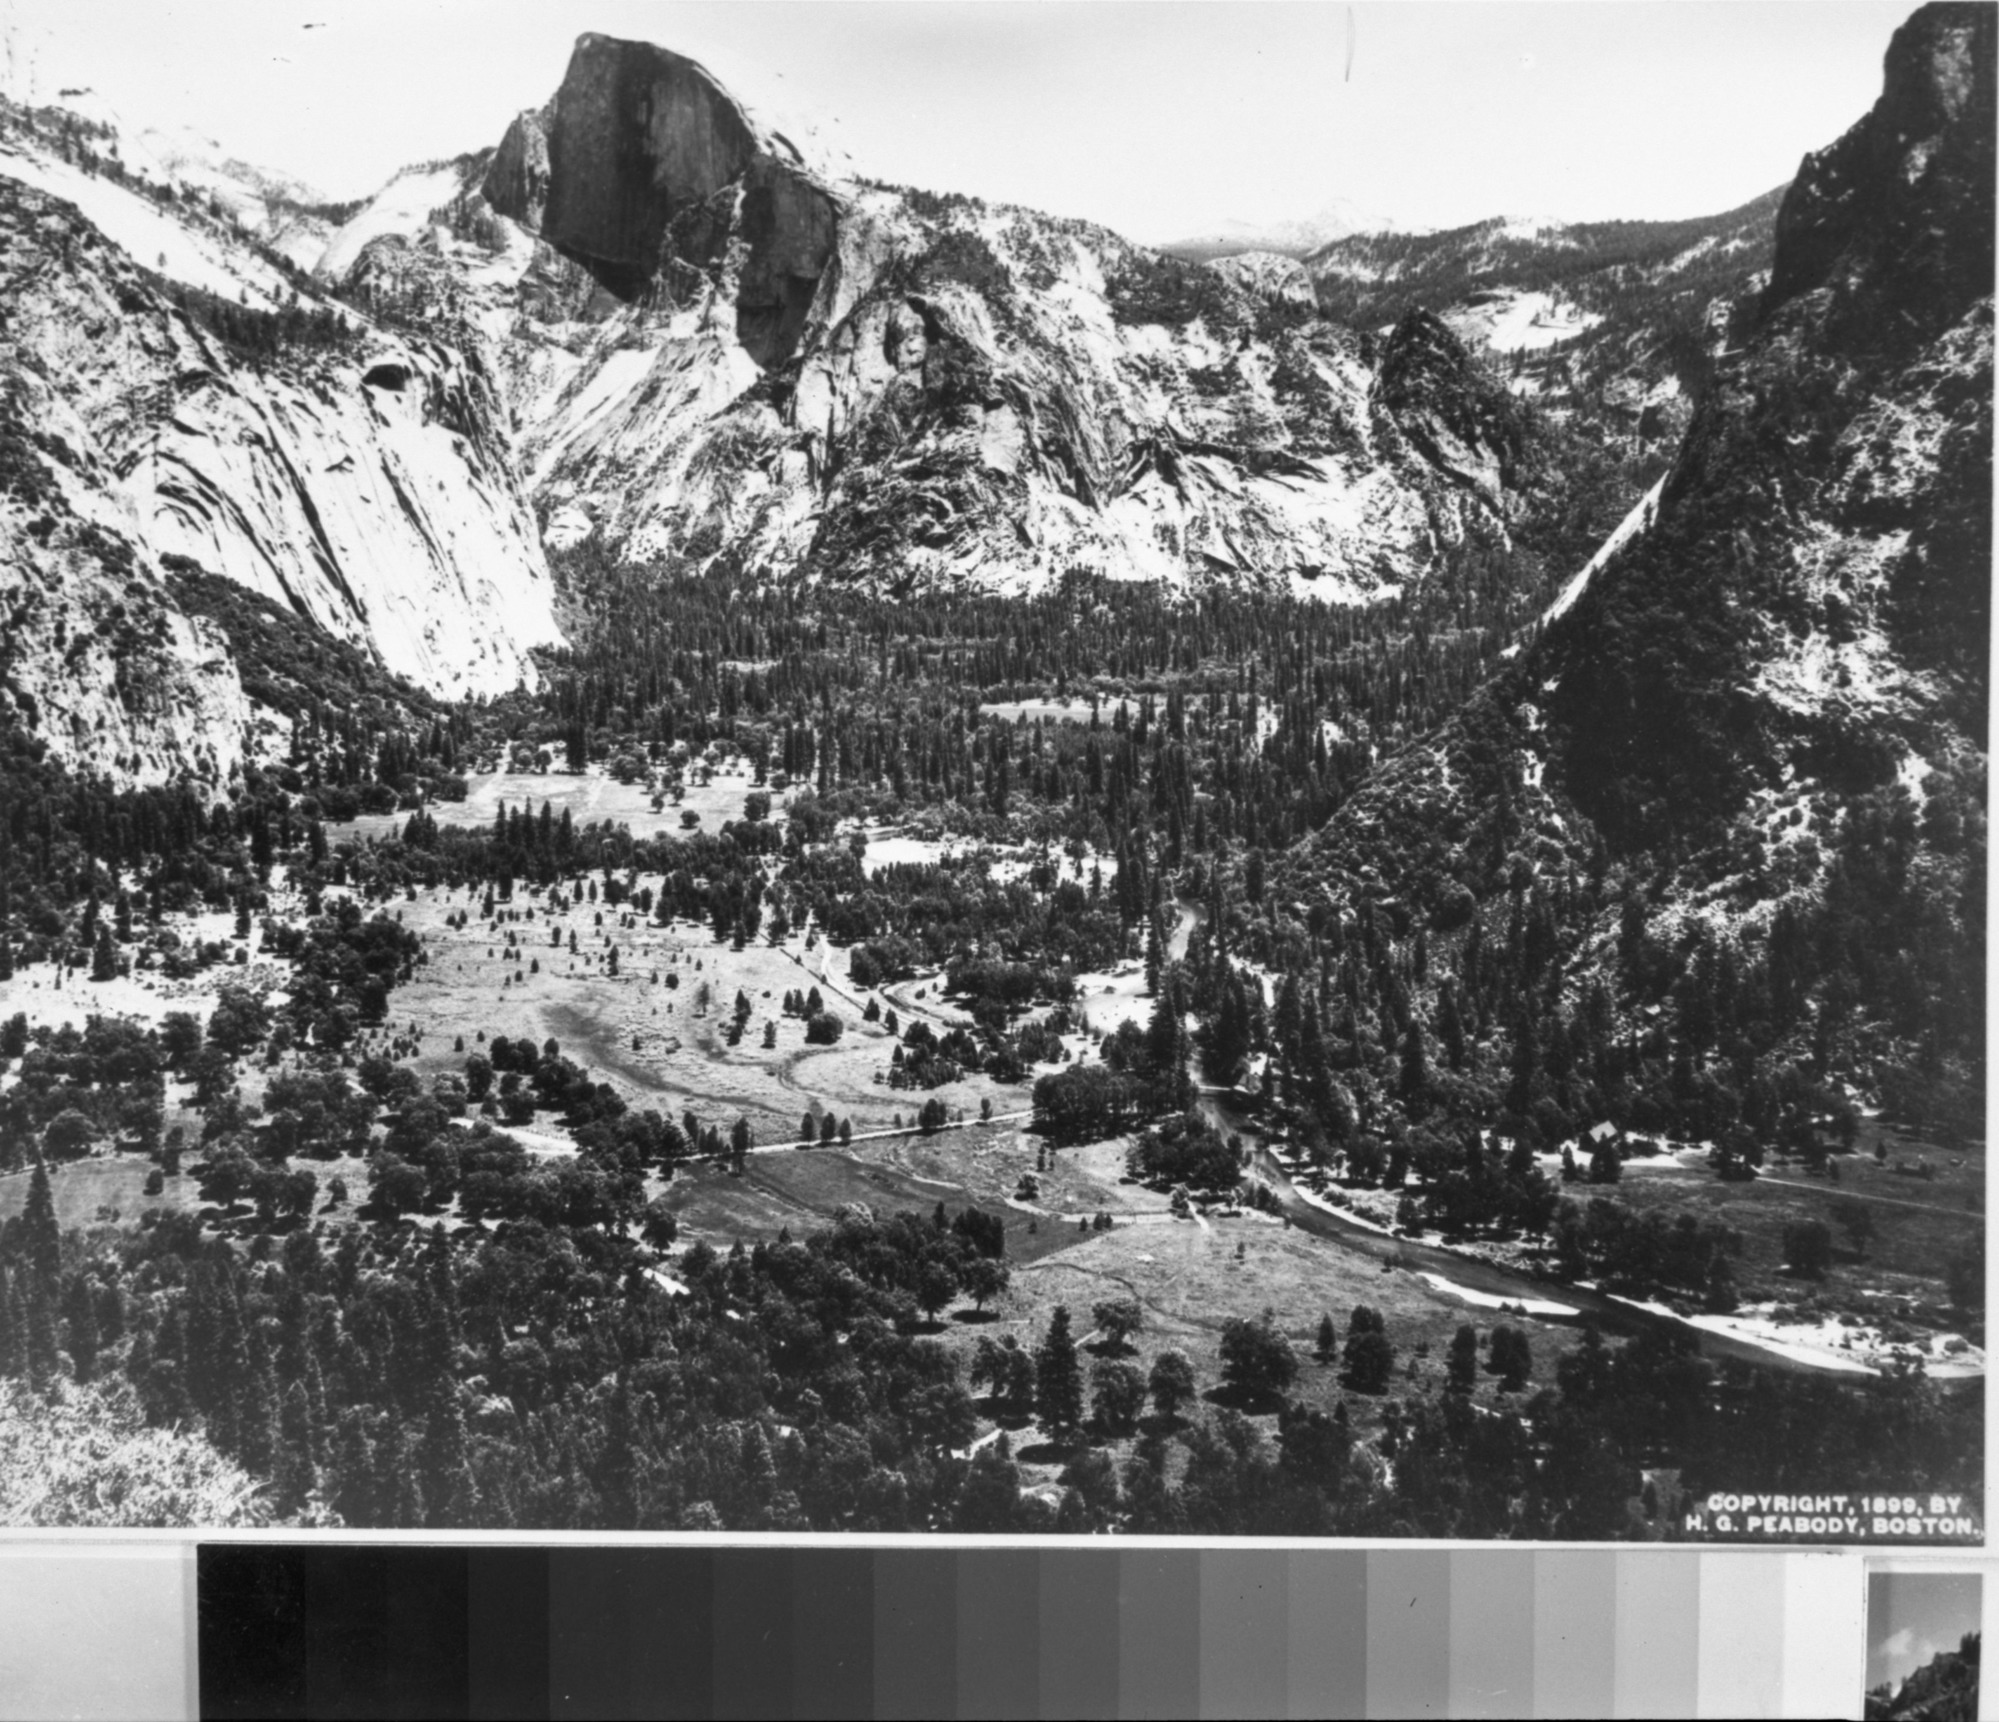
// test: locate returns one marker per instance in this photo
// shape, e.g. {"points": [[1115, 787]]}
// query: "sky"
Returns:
{"points": [[1913, 1615], [1161, 120]]}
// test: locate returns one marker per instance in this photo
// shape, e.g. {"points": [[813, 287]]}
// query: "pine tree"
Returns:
{"points": [[354, 1491], [314, 1384], [440, 1279], [1719, 1297], [1512, 1358], [259, 1434], [13, 1339], [449, 1488], [404, 1487], [1415, 1069], [225, 1373], [618, 1465], [1462, 1366], [1450, 1026], [80, 1324], [39, 1325], [41, 1237], [296, 1472], [1368, 1356], [1526, 1064], [1058, 1377]]}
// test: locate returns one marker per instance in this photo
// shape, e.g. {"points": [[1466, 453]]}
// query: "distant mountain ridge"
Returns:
{"points": [[1298, 238], [1618, 321], [1373, 277]]}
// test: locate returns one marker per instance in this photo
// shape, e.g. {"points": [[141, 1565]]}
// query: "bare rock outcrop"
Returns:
{"points": [[643, 167]]}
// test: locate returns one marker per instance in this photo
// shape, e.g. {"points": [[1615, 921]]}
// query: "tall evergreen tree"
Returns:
{"points": [[1461, 1367], [355, 1493], [41, 1237], [1415, 1069], [449, 1490], [403, 1488], [296, 1471], [1058, 1377], [39, 1324], [13, 1339], [80, 1324], [259, 1434]]}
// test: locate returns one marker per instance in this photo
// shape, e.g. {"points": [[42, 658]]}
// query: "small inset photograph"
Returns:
{"points": [[1922, 1645]]}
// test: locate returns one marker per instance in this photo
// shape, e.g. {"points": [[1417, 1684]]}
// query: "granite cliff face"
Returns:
{"points": [[360, 477], [1472, 436], [96, 660], [643, 167], [176, 391], [717, 343]]}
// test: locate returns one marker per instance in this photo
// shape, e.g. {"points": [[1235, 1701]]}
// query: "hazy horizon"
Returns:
{"points": [[1163, 121]]}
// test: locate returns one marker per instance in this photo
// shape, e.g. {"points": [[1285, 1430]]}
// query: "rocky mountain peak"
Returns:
{"points": [[516, 182], [1459, 417], [1896, 217], [644, 164]]}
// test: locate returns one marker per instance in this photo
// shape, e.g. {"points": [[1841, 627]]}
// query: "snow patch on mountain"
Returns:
{"points": [[401, 209], [1548, 229], [155, 239], [276, 208], [1509, 320]]}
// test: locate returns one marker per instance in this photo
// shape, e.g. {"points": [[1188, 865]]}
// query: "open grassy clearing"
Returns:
{"points": [[1917, 1222], [102, 1191], [1074, 709], [1188, 1279], [976, 1166], [47, 998], [920, 845], [658, 1042], [588, 798], [110, 1189], [1885, 1298]]}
